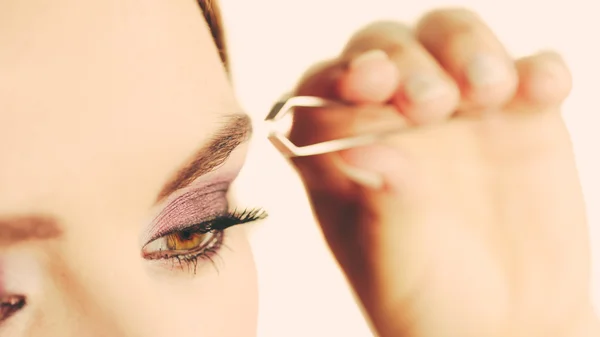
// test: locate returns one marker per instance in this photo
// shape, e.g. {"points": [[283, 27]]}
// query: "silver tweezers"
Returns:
{"points": [[287, 104]]}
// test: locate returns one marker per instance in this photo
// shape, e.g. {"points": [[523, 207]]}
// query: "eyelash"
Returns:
{"points": [[208, 251]]}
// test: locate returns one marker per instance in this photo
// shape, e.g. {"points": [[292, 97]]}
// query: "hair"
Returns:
{"points": [[212, 15]]}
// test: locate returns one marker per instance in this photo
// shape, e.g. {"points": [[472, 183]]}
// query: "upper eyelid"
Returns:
{"points": [[195, 205]]}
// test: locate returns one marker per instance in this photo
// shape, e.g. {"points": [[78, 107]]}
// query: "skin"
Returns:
{"points": [[102, 102], [471, 222], [99, 120]]}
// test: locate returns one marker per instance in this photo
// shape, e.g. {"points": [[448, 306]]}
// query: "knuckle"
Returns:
{"points": [[445, 34], [461, 40], [554, 56], [448, 26], [449, 15], [555, 65], [390, 36], [385, 27]]}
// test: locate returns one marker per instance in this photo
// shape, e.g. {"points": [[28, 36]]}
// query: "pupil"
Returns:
{"points": [[186, 235]]}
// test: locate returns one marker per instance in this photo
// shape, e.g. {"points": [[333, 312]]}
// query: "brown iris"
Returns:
{"points": [[186, 240], [179, 243]]}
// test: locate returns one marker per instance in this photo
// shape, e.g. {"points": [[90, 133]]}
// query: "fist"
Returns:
{"points": [[469, 221]]}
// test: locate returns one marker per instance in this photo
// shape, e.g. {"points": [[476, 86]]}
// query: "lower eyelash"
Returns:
{"points": [[209, 253]]}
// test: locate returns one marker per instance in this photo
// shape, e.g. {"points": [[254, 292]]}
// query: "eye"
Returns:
{"points": [[181, 243], [197, 241], [9, 305]]}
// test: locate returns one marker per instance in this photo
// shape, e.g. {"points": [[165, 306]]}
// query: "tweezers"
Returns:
{"points": [[288, 103]]}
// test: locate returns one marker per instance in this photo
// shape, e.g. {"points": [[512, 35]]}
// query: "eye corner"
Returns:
{"points": [[10, 305]]}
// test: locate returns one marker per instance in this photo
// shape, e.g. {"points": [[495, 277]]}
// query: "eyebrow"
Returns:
{"points": [[30, 227], [237, 130]]}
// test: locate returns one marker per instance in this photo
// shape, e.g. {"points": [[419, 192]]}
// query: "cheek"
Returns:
{"points": [[239, 294], [221, 302]]}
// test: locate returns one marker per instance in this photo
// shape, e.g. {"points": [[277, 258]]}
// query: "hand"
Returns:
{"points": [[471, 222]]}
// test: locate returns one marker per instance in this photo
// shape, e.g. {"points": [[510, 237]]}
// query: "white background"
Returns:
{"points": [[273, 41]]}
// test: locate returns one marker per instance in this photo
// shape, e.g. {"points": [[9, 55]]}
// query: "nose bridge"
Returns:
{"points": [[46, 176], [30, 185], [37, 157], [51, 164]]}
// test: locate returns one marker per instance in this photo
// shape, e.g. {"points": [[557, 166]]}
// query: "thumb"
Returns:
{"points": [[365, 79], [359, 195], [337, 183], [358, 77]]}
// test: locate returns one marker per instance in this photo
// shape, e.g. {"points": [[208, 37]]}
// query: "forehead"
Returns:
{"points": [[97, 94]]}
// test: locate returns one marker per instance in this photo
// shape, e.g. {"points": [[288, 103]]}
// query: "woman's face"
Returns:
{"points": [[119, 130]]}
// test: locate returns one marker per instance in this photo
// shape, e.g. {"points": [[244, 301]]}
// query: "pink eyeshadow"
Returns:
{"points": [[194, 207]]}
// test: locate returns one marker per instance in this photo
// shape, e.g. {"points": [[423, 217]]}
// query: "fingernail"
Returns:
{"points": [[373, 55], [487, 70], [425, 88], [372, 166]]}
